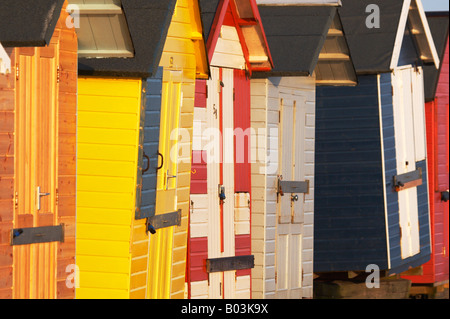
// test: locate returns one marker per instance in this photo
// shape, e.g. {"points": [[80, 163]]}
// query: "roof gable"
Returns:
{"points": [[244, 15], [147, 22], [198, 38], [439, 26], [306, 39], [377, 50], [296, 36], [23, 24]]}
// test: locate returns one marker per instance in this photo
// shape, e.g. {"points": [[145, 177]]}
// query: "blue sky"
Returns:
{"points": [[435, 5]]}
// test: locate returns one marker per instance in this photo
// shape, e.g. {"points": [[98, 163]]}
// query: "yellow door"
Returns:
{"points": [[36, 131], [161, 243], [110, 248]]}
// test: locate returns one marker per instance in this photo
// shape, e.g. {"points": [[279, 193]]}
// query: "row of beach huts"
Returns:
{"points": [[235, 149]]}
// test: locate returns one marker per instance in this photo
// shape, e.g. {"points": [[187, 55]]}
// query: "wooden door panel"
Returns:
{"points": [[298, 207], [161, 243], [35, 264], [291, 212], [287, 156], [405, 139]]}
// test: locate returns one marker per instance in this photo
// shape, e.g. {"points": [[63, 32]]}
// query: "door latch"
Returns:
{"points": [[294, 198], [222, 196], [168, 176], [38, 196]]}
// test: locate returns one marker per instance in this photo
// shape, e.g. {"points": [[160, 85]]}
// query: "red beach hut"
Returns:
{"points": [[432, 276], [219, 249]]}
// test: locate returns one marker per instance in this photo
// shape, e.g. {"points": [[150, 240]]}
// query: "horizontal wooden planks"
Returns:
{"points": [[107, 182]]}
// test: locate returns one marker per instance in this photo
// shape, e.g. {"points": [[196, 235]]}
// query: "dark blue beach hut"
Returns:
{"points": [[371, 190]]}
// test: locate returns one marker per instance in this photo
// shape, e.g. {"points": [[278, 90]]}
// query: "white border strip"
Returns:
{"points": [[383, 171]]}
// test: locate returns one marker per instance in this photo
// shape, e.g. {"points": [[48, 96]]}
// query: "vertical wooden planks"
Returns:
{"points": [[7, 177], [179, 55], [242, 126], [406, 159]]}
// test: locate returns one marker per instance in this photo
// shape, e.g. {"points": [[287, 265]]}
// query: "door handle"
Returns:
{"points": [[148, 163], [168, 176], [38, 196], [162, 161]]}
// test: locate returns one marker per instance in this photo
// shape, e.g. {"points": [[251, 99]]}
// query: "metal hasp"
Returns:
{"points": [[292, 187], [445, 196], [230, 263], [37, 235], [163, 221], [408, 180]]}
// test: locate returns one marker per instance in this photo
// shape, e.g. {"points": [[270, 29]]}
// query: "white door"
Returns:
{"points": [[409, 140], [220, 154], [290, 209]]}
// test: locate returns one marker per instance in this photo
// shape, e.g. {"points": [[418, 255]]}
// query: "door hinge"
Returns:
{"points": [[279, 116], [234, 94], [57, 197], [17, 71], [16, 200], [206, 91], [58, 74]]}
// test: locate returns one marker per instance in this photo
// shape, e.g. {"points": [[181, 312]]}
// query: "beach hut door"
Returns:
{"points": [[220, 175], [409, 124], [35, 235], [161, 242], [290, 205]]}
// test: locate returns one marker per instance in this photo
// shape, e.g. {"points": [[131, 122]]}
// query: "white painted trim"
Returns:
{"points": [[103, 9], [400, 33], [5, 61], [428, 34], [383, 172], [299, 2]]}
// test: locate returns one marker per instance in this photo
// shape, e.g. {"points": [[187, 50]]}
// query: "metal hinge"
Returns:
{"points": [[206, 91], [234, 94], [16, 200], [58, 74], [17, 71], [279, 116]]}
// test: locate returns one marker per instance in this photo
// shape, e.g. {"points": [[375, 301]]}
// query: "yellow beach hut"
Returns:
{"points": [[137, 60]]}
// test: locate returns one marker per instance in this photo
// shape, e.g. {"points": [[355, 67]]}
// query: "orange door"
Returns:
{"points": [[35, 187]]}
